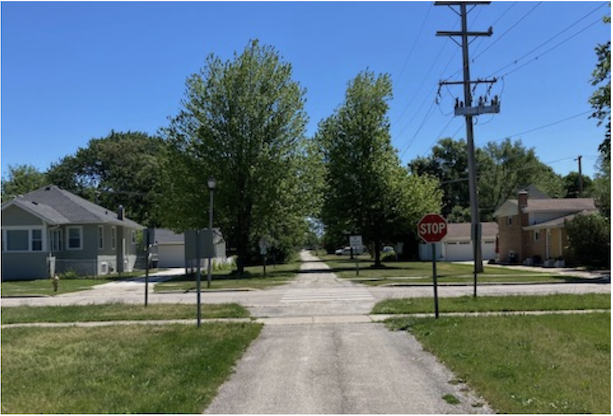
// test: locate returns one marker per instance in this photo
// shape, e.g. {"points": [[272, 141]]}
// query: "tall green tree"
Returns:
{"points": [[367, 191], [502, 169], [601, 98], [448, 162], [513, 167], [22, 179], [120, 169], [242, 121], [601, 187], [573, 185]]}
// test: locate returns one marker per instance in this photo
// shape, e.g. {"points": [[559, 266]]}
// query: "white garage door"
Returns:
{"points": [[458, 251], [171, 255], [488, 250]]}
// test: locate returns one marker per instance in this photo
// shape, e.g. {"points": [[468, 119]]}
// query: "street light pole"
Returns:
{"points": [[211, 182]]}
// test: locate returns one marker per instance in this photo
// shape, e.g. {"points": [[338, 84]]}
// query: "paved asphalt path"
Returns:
{"points": [[338, 367]]}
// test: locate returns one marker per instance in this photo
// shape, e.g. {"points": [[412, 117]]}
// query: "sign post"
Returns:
{"points": [[263, 243], [432, 228], [355, 241]]}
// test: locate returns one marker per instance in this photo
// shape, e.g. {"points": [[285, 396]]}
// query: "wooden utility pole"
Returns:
{"points": [[467, 110], [580, 177]]}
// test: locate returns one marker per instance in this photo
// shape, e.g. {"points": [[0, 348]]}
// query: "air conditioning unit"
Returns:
{"points": [[104, 268]]}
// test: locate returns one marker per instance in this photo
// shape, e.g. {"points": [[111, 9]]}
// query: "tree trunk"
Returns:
{"points": [[377, 253]]}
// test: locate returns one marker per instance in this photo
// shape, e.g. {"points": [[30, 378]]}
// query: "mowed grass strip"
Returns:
{"points": [[225, 279], [44, 287], [118, 312], [127, 369], [525, 364], [421, 272], [556, 302]]}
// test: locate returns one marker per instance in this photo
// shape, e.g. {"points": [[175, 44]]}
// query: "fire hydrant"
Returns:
{"points": [[55, 281]]}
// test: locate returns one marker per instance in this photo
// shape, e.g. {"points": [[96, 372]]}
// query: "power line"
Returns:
{"points": [[428, 115], [543, 126], [553, 47], [423, 23], [498, 38], [515, 61], [479, 41]]}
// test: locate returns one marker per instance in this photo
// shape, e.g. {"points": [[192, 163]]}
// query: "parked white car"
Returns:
{"points": [[347, 251]]}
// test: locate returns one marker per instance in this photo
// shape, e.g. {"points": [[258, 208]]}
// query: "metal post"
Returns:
{"points": [[434, 280], [147, 250], [264, 263], [208, 282], [198, 280]]}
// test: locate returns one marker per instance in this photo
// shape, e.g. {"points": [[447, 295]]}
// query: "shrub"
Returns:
{"points": [[589, 237], [69, 274]]}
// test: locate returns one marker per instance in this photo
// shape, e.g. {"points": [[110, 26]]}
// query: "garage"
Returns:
{"points": [[457, 246], [171, 255], [458, 250]]}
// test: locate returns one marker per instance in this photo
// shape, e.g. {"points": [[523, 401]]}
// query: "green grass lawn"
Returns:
{"points": [[224, 279], [119, 369], [495, 303], [118, 312], [43, 287], [421, 272], [525, 364]]}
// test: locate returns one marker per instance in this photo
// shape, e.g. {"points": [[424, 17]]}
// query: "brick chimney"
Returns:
{"points": [[522, 200]]}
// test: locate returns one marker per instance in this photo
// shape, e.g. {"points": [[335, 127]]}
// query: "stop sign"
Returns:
{"points": [[432, 228]]}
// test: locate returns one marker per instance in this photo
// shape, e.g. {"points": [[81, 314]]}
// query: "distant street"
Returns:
{"points": [[312, 293]]}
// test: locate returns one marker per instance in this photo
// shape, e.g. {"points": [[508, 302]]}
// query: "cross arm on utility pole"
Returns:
{"points": [[489, 32], [459, 3]]}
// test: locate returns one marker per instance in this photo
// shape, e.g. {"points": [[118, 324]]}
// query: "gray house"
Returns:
{"points": [[51, 230]]}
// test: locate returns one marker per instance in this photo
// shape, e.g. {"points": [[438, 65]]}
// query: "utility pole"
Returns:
{"points": [[467, 110], [580, 177]]}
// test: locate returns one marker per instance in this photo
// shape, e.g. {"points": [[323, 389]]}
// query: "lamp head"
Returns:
{"points": [[211, 182]]}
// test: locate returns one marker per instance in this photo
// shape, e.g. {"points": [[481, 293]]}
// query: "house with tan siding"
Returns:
{"points": [[531, 228]]}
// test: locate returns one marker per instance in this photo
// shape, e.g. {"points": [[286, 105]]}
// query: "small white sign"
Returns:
{"points": [[355, 241], [263, 243]]}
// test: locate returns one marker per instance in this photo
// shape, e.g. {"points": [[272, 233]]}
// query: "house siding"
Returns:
{"points": [[24, 266], [16, 216]]}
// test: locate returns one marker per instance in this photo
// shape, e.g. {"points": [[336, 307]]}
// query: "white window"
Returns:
{"points": [[37, 240], [133, 237], [113, 238], [74, 237], [57, 240], [22, 239], [509, 221], [100, 237]]}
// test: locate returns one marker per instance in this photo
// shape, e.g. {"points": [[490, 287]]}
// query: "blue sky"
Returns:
{"points": [[74, 71]]}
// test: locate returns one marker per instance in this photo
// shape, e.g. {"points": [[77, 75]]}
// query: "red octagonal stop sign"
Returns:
{"points": [[432, 228]]}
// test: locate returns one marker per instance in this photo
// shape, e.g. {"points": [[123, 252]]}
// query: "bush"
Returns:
{"points": [[69, 274], [589, 237]]}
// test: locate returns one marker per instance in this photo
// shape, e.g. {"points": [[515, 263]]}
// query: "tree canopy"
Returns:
{"points": [[242, 121], [367, 191], [120, 169], [22, 179], [601, 98], [502, 169]]}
